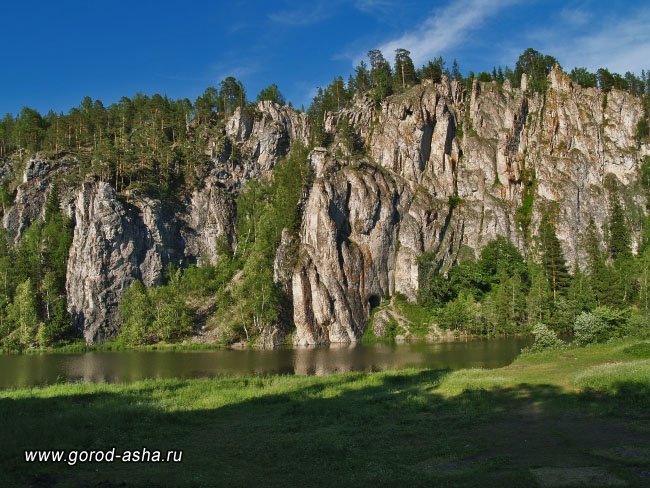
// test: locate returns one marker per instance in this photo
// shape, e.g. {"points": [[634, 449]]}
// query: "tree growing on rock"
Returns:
{"points": [[404, 71], [232, 94], [271, 93], [537, 66], [380, 75]]}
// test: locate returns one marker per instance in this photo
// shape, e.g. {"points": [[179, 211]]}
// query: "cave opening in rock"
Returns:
{"points": [[374, 301]]}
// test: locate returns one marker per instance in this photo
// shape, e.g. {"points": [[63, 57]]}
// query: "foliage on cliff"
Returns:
{"points": [[501, 293], [32, 293], [245, 300], [166, 149]]}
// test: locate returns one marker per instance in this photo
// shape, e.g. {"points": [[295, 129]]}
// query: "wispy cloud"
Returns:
{"points": [[443, 29], [617, 43], [304, 14], [305, 92], [374, 6], [575, 15], [243, 69], [316, 11]]}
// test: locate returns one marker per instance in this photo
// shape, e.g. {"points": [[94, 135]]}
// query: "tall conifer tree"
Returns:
{"points": [[553, 260], [619, 244], [598, 272]]}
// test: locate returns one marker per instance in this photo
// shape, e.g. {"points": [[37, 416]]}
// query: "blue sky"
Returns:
{"points": [[54, 53]]}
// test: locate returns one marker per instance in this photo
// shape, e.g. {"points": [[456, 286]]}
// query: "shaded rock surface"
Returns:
{"points": [[115, 243]]}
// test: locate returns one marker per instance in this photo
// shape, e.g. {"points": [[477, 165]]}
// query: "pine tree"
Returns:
{"points": [[643, 270], [6, 280], [381, 75], [597, 270], [336, 94], [580, 296], [346, 135], [404, 70], [206, 104], [619, 243], [455, 71], [232, 94], [539, 295], [56, 320], [433, 70], [537, 66], [361, 78], [583, 77], [30, 128], [499, 256], [552, 256], [136, 315], [271, 93], [619, 247], [510, 302]]}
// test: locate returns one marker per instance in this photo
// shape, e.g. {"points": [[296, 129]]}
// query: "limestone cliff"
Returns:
{"points": [[117, 241], [448, 170], [31, 194], [444, 170]]}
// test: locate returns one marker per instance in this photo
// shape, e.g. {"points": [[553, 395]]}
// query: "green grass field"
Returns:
{"points": [[577, 417]]}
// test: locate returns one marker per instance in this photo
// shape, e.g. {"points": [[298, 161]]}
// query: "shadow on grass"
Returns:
{"points": [[388, 429]]}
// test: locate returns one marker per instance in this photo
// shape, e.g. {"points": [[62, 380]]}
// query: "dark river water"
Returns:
{"points": [[129, 366]]}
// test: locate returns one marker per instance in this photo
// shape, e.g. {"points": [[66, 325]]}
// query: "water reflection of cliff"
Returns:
{"points": [[129, 366], [342, 358]]}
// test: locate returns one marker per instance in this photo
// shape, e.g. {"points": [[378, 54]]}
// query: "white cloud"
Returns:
{"points": [[619, 44], [444, 29]]}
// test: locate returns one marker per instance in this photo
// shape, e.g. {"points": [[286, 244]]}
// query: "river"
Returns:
{"points": [[24, 370]]}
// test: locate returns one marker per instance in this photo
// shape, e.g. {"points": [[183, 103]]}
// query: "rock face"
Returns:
{"points": [[266, 133], [210, 216], [30, 198], [445, 171], [116, 242]]}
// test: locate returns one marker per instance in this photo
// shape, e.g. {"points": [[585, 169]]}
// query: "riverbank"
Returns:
{"points": [[80, 347], [368, 339], [580, 415]]}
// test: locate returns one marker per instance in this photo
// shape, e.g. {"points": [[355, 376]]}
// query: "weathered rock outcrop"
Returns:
{"points": [[449, 170], [209, 217], [31, 195], [265, 133], [116, 242], [445, 170], [363, 230]]}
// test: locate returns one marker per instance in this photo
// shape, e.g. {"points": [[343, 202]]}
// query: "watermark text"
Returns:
{"points": [[72, 457]]}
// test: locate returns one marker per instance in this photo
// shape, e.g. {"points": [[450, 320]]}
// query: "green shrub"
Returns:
{"points": [[589, 328], [638, 325], [545, 339], [602, 324], [616, 321]]}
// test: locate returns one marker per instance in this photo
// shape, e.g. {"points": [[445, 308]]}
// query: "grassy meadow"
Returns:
{"points": [[575, 417]]}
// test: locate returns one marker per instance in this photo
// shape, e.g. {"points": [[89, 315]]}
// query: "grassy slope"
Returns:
{"points": [[522, 425]]}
